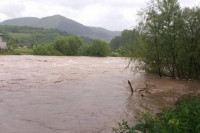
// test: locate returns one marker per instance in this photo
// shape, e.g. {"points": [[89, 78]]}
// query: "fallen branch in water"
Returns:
{"points": [[130, 86], [147, 88]]}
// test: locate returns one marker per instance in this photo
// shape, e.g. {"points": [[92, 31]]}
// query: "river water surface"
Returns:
{"points": [[40, 94]]}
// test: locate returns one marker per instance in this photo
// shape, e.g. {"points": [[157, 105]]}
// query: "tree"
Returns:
{"points": [[61, 45], [98, 48], [190, 48], [150, 27], [69, 45], [170, 36], [170, 13]]}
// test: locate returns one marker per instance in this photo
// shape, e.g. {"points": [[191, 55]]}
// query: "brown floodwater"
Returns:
{"points": [[49, 94]]}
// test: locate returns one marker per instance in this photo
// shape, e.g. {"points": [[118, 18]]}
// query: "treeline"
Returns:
{"points": [[29, 36], [72, 46]]}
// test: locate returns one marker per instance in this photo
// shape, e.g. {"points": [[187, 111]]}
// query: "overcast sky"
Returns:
{"points": [[109, 14]]}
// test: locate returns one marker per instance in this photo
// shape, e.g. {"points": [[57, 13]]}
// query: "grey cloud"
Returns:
{"points": [[12, 10], [110, 14]]}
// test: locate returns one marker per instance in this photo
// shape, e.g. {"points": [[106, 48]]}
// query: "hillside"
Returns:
{"points": [[30, 36], [64, 24]]}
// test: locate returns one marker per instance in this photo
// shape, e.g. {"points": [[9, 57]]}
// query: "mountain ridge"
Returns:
{"points": [[64, 24]]}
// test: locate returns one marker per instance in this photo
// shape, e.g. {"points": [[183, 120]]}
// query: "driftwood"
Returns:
{"points": [[130, 86], [140, 90]]}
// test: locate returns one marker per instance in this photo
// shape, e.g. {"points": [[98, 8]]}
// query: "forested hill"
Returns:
{"points": [[29, 36], [64, 24]]}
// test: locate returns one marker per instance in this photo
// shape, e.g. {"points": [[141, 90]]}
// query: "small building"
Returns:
{"points": [[3, 45]]}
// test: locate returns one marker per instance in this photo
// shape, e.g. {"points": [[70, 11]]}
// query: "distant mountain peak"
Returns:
{"points": [[64, 24]]}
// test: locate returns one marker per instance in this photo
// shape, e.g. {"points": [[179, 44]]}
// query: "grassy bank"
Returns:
{"points": [[16, 51], [23, 51]]}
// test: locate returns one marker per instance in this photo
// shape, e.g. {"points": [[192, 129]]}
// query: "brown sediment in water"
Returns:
{"points": [[76, 94]]}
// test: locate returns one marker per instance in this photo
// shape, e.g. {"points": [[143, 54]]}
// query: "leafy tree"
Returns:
{"points": [[62, 45], [98, 48], [74, 46], [188, 63], [68, 46], [45, 49], [170, 37]]}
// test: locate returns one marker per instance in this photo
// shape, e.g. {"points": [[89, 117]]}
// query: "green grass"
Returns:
{"points": [[23, 52], [20, 35]]}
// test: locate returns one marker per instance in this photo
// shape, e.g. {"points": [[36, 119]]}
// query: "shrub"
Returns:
{"points": [[98, 48], [69, 45], [45, 49], [183, 118]]}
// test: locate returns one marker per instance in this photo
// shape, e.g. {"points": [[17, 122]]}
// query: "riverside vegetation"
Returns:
{"points": [[72, 46], [166, 40], [183, 118], [169, 45]]}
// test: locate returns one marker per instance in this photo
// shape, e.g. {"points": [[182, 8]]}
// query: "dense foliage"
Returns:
{"points": [[72, 46], [125, 38], [62, 46], [98, 48], [183, 118], [126, 44], [171, 39]]}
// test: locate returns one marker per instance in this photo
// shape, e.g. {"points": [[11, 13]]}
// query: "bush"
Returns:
{"points": [[61, 46], [68, 46], [183, 118], [22, 52], [98, 48], [45, 49]]}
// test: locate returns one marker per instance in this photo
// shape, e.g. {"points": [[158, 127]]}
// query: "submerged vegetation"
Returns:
{"points": [[166, 40], [171, 43]]}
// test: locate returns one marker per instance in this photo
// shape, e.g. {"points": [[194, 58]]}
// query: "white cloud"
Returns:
{"points": [[110, 14]]}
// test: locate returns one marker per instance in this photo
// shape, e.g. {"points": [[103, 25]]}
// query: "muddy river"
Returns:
{"points": [[40, 94]]}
